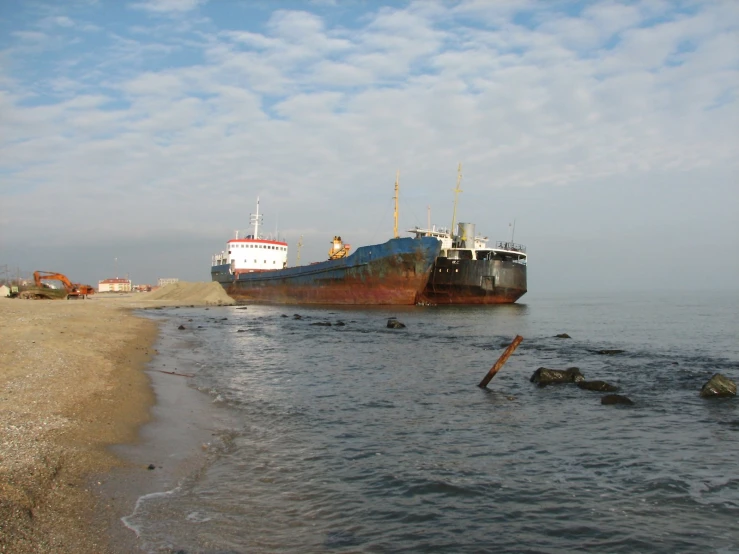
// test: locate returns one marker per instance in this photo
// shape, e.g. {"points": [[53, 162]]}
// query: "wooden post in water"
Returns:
{"points": [[502, 360]]}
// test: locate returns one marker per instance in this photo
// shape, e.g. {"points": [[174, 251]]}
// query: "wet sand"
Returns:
{"points": [[72, 384]]}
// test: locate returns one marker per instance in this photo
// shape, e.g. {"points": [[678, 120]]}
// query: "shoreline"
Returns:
{"points": [[76, 391], [182, 435], [71, 385]]}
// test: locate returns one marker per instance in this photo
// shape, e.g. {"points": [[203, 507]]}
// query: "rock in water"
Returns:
{"points": [[718, 386], [563, 336], [545, 376], [600, 386], [181, 327], [609, 352], [393, 323], [611, 399]]}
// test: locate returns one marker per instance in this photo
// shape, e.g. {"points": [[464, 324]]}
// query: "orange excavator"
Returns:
{"points": [[74, 290]]}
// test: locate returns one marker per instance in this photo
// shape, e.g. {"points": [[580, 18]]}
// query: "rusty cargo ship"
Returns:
{"points": [[254, 268]]}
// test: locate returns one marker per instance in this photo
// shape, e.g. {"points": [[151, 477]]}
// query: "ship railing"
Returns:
{"points": [[512, 246]]}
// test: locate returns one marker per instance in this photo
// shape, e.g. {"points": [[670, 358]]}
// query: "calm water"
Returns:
{"points": [[359, 438]]}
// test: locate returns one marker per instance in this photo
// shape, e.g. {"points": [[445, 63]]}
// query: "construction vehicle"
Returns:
{"points": [[71, 290]]}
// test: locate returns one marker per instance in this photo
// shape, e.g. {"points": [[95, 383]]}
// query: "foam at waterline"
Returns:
{"points": [[126, 520]]}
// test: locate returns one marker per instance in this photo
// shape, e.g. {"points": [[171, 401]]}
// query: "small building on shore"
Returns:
{"points": [[4, 291], [162, 282], [114, 285]]}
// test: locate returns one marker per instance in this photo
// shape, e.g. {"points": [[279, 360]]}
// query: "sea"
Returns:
{"points": [[344, 435]]}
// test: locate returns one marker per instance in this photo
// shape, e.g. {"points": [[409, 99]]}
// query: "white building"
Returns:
{"points": [[114, 285], [166, 281], [4, 291]]}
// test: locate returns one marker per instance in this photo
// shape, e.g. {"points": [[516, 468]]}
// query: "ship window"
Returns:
{"points": [[456, 271]]}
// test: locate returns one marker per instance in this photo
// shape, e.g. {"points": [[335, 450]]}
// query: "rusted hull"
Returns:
{"points": [[475, 282], [393, 273]]}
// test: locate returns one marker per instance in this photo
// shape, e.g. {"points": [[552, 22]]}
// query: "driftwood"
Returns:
{"points": [[173, 373]]}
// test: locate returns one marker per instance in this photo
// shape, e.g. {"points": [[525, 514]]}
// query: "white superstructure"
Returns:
{"points": [[253, 252], [467, 245]]}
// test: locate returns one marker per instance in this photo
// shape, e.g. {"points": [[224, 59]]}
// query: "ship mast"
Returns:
{"points": [[300, 245], [397, 182], [255, 221], [456, 192]]}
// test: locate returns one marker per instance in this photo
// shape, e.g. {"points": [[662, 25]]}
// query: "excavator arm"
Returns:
{"points": [[74, 290]]}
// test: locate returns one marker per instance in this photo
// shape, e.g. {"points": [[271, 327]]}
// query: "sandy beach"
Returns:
{"points": [[72, 384]]}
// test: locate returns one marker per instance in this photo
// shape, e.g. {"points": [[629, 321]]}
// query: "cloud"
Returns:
{"points": [[168, 6], [173, 125]]}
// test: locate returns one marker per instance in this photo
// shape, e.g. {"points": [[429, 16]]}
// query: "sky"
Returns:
{"points": [[135, 137]]}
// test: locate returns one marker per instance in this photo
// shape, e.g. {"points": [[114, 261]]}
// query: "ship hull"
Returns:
{"points": [[393, 273], [475, 282]]}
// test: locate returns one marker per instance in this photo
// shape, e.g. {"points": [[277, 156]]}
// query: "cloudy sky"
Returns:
{"points": [[136, 136]]}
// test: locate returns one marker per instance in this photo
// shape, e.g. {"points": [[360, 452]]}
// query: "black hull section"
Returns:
{"points": [[475, 282]]}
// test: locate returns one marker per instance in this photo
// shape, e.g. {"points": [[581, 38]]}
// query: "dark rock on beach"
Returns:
{"points": [[393, 323], [599, 386], [718, 386], [611, 399], [545, 376], [181, 327], [563, 336]]}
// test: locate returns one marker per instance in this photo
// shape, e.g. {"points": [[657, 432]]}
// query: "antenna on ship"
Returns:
{"points": [[456, 192], [397, 183], [300, 245], [428, 217], [255, 219]]}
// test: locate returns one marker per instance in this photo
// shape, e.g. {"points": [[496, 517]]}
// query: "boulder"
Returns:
{"points": [[718, 386], [611, 399], [322, 323], [181, 327], [563, 336], [340, 323], [545, 376], [297, 316], [609, 352], [393, 323], [599, 386]]}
